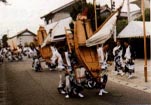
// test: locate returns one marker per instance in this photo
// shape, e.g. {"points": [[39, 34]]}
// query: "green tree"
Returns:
{"points": [[120, 25], [147, 15], [4, 40], [82, 7], [4, 1]]}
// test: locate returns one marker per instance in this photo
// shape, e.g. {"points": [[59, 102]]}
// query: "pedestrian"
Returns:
{"points": [[118, 60], [129, 59], [35, 54], [103, 56], [1, 56], [9, 55], [73, 85]]}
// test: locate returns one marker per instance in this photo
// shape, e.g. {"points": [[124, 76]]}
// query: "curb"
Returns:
{"points": [[132, 85]]}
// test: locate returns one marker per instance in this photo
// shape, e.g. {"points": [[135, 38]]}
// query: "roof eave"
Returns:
{"points": [[59, 9]]}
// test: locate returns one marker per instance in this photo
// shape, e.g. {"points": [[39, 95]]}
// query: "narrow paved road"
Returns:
{"points": [[26, 87]]}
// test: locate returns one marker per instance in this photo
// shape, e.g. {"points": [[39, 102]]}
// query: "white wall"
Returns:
{"points": [[59, 16], [24, 39]]}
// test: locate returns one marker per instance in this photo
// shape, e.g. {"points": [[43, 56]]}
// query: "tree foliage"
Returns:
{"points": [[79, 7], [120, 25], [4, 1], [147, 15], [4, 40]]}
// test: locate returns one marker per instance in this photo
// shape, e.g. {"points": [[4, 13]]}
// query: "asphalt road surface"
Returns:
{"points": [[27, 87]]}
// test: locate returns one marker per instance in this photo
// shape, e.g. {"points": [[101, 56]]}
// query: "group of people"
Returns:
{"points": [[68, 83], [124, 62], [17, 54], [124, 56], [10, 54]]}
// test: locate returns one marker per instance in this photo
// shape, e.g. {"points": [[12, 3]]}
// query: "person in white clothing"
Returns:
{"points": [[129, 59], [103, 56], [34, 53], [56, 59], [9, 55], [56, 62], [118, 60], [1, 55]]}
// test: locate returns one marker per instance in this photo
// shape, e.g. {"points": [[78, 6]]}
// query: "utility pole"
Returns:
{"points": [[94, 3], [111, 3], [128, 11], [145, 49], [150, 10]]}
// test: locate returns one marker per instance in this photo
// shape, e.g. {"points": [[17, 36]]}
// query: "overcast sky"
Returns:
{"points": [[22, 14]]}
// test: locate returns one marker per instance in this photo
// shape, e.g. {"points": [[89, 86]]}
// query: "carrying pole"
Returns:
{"points": [[94, 3]]}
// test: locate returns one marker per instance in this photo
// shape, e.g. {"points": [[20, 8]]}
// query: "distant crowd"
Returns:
{"points": [[16, 54]]}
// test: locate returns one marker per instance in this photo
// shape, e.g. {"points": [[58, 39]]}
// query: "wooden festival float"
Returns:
{"points": [[85, 42], [86, 55], [45, 51]]}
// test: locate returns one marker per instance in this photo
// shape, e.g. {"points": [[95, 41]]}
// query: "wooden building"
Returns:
{"points": [[57, 20], [21, 38]]}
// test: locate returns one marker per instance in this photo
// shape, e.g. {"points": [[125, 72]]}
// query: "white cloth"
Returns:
{"points": [[9, 54], [33, 52], [60, 61], [116, 48], [36, 62], [67, 59], [56, 56], [4, 50], [127, 53], [102, 57], [119, 54], [0, 52]]}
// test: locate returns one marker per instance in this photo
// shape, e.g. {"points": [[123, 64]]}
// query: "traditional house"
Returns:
{"points": [[133, 9], [105, 10], [135, 33], [57, 20], [59, 13], [21, 38]]}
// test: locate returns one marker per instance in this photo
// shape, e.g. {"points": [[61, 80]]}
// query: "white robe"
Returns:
{"points": [[102, 57], [56, 56], [119, 54], [127, 53]]}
